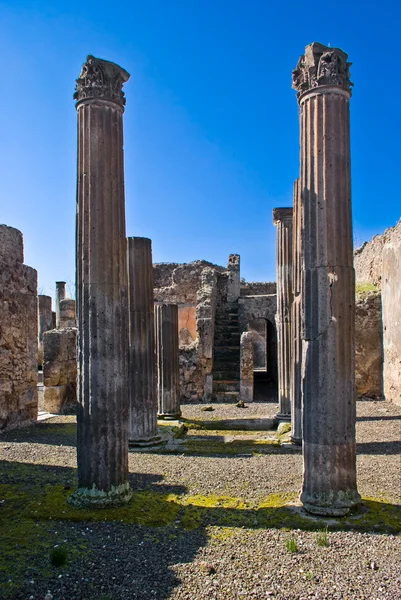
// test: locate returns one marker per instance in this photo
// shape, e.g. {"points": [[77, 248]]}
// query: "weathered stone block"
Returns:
{"points": [[60, 357], [18, 333], [368, 345], [391, 299], [60, 399]]}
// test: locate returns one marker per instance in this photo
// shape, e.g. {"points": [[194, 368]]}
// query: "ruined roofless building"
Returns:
{"points": [[322, 80], [102, 288]]}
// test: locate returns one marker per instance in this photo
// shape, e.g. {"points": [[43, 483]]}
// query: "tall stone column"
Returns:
{"points": [[328, 282], [102, 288], [282, 218], [296, 333], [60, 295], [167, 361], [142, 423]]}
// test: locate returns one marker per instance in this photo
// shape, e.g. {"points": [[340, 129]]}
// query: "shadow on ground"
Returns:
{"points": [[130, 551]]}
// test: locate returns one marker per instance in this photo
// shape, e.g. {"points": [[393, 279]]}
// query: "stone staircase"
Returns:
{"points": [[226, 357]]}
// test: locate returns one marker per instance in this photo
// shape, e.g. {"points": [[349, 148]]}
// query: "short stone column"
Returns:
{"points": [[246, 367], [60, 295], [102, 288], [67, 313], [296, 328], [142, 423], [328, 283], [45, 315], [167, 361], [282, 218]]}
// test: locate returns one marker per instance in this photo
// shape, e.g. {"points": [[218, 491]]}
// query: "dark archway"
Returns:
{"points": [[265, 359]]}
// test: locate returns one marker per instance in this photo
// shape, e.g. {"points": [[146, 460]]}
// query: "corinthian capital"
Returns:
{"points": [[101, 79], [321, 65]]}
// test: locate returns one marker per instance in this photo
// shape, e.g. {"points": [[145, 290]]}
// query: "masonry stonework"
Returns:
{"points": [[368, 345], [18, 333], [60, 370]]}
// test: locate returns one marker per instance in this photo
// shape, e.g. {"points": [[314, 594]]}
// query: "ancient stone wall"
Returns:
{"points": [[378, 263], [18, 333], [192, 286], [368, 258], [179, 283], [258, 288], [368, 345], [60, 370], [391, 301], [256, 307]]}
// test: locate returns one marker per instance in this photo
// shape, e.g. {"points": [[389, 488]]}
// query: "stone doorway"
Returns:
{"points": [[265, 359]]}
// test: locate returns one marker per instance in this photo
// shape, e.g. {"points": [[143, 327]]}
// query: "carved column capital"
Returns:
{"points": [[321, 66], [282, 214], [101, 80]]}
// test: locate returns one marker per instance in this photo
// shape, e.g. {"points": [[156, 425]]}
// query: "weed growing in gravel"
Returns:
{"points": [[322, 538], [58, 556], [291, 545]]}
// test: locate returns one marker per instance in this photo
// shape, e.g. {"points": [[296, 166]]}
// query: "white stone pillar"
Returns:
{"points": [[282, 218]]}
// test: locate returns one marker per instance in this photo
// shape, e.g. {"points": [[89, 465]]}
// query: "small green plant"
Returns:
{"points": [[322, 538], [291, 545], [309, 575], [58, 556]]}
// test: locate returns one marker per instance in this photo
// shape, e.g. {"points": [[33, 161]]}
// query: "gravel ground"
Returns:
{"points": [[216, 559]]}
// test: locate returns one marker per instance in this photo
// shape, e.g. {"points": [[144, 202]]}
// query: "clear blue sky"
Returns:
{"points": [[211, 123]]}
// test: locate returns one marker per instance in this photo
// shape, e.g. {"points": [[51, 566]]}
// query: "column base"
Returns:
{"points": [[331, 505], [286, 418], [146, 443], [95, 498], [296, 441], [169, 416]]}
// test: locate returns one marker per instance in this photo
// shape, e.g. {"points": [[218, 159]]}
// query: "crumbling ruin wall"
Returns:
{"points": [[256, 307], [391, 301], [192, 287], [258, 288], [368, 345], [60, 370], [18, 333], [368, 259], [179, 283], [251, 310], [378, 262]]}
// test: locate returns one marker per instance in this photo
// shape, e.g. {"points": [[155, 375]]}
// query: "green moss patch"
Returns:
{"points": [[232, 448], [364, 288]]}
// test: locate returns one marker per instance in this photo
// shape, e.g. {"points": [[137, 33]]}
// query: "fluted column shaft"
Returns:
{"points": [[296, 334], [282, 218], [142, 423], [102, 289], [328, 287], [167, 361]]}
